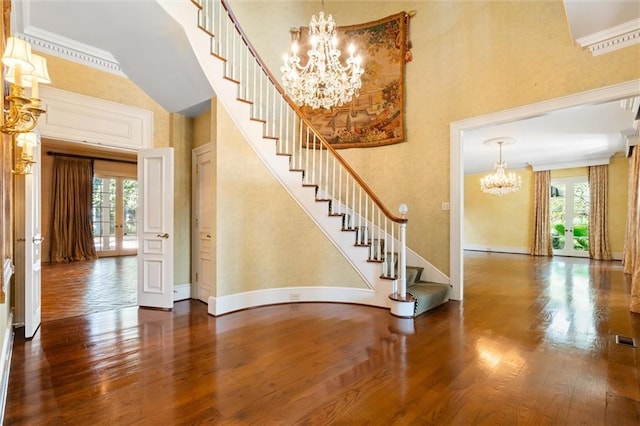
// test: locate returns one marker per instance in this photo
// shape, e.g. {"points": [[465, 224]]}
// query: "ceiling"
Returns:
{"points": [[137, 39]]}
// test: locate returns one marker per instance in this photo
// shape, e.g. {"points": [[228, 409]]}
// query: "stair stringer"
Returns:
{"points": [[305, 196]]}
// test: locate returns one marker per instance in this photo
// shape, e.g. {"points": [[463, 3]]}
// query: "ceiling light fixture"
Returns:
{"points": [[323, 82], [500, 183]]}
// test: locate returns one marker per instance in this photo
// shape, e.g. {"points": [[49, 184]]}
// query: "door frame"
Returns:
{"points": [[456, 165], [569, 181]]}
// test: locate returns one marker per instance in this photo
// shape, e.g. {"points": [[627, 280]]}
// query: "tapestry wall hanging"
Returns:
{"points": [[376, 117]]}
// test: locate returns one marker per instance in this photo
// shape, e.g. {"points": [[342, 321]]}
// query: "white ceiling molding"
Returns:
{"points": [[571, 164], [613, 38], [56, 45]]}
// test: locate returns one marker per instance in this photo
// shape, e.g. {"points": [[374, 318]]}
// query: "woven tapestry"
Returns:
{"points": [[376, 117]]}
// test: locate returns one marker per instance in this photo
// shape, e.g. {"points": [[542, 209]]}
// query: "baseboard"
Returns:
{"points": [[250, 299], [497, 249], [5, 364], [181, 292], [516, 250]]}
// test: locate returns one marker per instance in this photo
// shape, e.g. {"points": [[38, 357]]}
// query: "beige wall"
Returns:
{"points": [[263, 238], [469, 59], [498, 223], [503, 223]]}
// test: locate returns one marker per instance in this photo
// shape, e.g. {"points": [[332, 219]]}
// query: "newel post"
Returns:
{"points": [[402, 305]]}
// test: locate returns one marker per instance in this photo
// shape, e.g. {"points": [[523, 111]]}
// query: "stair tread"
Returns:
{"points": [[428, 295]]}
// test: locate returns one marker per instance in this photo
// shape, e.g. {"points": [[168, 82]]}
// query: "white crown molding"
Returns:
{"points": [[57, 45], [613, 38], [571, 164]]}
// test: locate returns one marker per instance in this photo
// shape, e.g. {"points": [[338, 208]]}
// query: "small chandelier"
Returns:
{"points": [[500, 183], [323, 82]]}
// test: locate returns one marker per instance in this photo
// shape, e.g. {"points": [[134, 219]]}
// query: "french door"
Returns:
{"points": [[115, 205], [570, 200]]}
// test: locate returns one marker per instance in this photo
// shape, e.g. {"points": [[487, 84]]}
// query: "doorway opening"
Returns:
{"points": [[110, 282], [569, 205]]}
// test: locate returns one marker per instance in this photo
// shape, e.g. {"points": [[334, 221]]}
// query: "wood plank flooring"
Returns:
{"points": [[533, 343], [81, 288]]}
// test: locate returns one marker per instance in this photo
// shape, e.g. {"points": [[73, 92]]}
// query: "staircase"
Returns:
{"points": [[369, 236]]}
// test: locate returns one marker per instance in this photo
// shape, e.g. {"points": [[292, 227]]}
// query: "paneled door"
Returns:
{"points": [[28, 247], [570, 199], [155, 223], [203, 230]]}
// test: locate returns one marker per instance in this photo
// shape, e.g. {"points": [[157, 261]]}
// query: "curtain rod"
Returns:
{"points": [[60, 154]]}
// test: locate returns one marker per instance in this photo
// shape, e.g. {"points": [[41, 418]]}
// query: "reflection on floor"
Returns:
{"points": [[80, 288]]}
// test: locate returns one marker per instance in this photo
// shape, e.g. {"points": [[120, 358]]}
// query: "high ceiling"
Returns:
{"points": [[139, 40]]}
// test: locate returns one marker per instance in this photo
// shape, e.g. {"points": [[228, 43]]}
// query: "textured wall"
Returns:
{"points": [[263, 238], [498, 221]]}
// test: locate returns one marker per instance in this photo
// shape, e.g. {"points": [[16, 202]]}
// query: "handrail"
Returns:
{"points": [[301, 115]]}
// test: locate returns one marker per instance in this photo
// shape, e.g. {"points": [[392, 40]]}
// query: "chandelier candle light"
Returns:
{"points": [[500, 183], [323, 82]]}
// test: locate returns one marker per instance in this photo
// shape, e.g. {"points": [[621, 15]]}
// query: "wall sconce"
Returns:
{"points": [[23, 70], [27, 142]]}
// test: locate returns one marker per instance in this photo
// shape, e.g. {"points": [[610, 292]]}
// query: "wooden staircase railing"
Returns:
{"points": [[335, 182]]}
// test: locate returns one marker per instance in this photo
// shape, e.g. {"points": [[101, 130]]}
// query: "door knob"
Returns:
{"points": [[165, 235], [209, 236]]}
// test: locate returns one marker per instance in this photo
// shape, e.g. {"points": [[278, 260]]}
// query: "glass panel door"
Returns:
{"points": [[570, 216], [115, 203]]}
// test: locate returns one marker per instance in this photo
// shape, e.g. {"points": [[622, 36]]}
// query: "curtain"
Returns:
{"points": [[541, 215], [598, 212], [71, 224], [631, 253]]}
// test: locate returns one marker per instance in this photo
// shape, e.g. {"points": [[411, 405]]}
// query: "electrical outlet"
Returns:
{"points": [[445, 206]]}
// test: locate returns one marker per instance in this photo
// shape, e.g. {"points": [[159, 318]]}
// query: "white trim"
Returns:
{"points": [[571, 164], [614, 38], [497, 249], [250, 299], [457, 129], [5, 364], [181, 292], [57, 45], [93, 121]]}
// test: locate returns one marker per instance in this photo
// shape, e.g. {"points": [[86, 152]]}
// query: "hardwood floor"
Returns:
{"points": [[533, 343], [81, 288]]}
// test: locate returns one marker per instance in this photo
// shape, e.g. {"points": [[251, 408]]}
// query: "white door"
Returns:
{"points": [[569, 203], [203, 232], [28, 229], [155, 232]]}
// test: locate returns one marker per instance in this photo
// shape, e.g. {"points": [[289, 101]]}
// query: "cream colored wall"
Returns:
{"points": [[498, 223], [202, 129], [263, 238], [181, 137], [469, 59]]}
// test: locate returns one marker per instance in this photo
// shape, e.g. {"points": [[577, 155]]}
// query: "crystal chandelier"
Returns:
{"points": [[500, 183], [323, 82]]}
